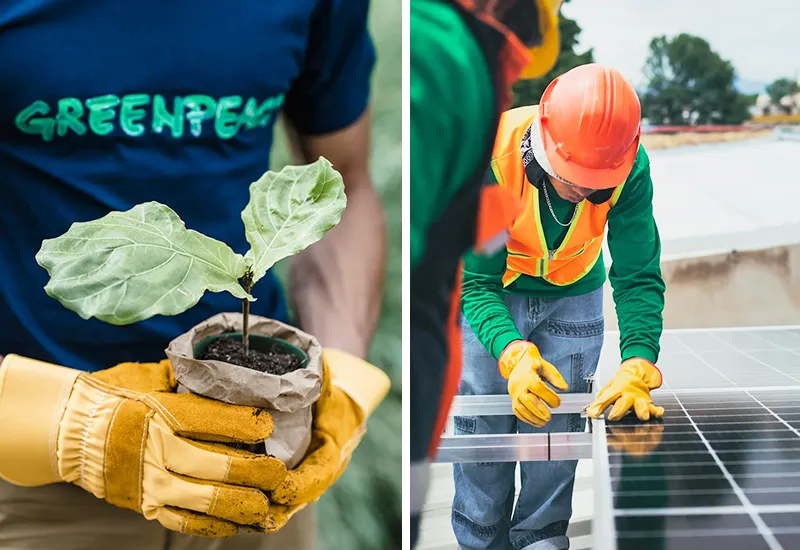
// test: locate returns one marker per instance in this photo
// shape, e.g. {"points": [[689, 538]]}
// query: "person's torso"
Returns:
{"points": [[553, 243], [109, 104]]}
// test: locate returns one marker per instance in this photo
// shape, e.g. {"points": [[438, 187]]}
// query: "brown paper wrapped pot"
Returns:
{"points": [[288, 397]]}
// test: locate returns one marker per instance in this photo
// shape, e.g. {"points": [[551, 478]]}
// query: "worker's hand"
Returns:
{"points": [[629, 389], [351, 390], [526, 372], [637, 441], [125, 436]]}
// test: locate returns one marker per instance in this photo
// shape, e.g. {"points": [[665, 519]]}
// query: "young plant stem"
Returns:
{"points": [[247, 283]]}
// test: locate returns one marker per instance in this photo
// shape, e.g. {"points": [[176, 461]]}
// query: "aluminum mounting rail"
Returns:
{"points": [[499, 405], [514, 447]]}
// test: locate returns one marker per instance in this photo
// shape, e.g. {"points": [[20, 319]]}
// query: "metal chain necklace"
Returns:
{"points": [[552, 213]]}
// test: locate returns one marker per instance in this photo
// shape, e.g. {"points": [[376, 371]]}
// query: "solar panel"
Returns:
{"points": [[722, 470], [723, 467], [722, 359]]}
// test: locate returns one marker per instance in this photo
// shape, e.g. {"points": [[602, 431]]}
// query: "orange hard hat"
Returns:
{"points": [[590, 126]]}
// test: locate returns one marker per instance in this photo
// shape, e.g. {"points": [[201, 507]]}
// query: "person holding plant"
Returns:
{"points": [[100, 116], [533, 312]]}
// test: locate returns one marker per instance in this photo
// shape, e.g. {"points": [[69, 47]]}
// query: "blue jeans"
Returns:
{"points": [[569, 334]]}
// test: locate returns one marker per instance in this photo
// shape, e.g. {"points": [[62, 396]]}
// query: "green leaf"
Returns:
{"points": [[290, 210], [129, 266]]}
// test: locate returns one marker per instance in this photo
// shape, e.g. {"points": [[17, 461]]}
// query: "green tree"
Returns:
{"points": [[780, 89], [689, 83], [529, 92]]}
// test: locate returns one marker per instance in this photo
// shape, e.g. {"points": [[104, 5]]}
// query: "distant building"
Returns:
{"points": [[788, 105]]}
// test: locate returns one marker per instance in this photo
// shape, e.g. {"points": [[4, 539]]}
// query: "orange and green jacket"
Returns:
{"points": [[572, 263], [462, 65]]}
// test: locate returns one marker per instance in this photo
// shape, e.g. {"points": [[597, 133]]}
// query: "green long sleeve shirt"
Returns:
{"points": [[635, 274], [451, 112]]}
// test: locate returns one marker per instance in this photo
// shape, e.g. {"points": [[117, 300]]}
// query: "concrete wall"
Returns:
{"points": [[750, 288]]}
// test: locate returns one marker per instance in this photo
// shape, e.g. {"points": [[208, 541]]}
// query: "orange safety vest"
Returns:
{"points": [[527, 249]]}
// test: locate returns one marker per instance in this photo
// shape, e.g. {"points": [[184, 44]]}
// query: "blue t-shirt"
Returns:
{"points": [[104, 105]]}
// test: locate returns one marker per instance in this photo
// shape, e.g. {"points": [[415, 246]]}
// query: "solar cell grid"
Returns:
{"points": [[723, 467]]}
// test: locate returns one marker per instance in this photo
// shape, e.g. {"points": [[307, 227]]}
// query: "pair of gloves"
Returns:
{"points": [[527, 373], [126, 436]]}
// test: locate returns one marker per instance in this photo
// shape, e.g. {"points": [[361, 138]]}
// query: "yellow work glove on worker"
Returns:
{"points": [[351, 390], [526, 371], [125, 436], [630, 388]]}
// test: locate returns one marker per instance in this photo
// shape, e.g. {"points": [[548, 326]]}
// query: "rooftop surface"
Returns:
{"points": [[719, 197]]}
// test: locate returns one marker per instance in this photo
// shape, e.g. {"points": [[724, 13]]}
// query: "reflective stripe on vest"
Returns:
{"points": [[527, 248]]}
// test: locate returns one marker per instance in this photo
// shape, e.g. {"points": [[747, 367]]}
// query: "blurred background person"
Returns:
{"points": [[472, 51]]}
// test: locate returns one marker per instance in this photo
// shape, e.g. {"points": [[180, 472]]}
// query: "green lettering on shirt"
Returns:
{"points": [[255, 115], [29, 123], [200, 108], [70, 111], [137, 115], [227, 123], [101, 112], [163, 118], [132, 112]]}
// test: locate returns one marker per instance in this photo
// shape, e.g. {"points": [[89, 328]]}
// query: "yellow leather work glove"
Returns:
{"points": [[125, 436], [638, 441], [351, 390], [630, 388], [526, 372]]}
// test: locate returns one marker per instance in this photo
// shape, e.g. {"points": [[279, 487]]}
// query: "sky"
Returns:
{"points": [[759, 37]]}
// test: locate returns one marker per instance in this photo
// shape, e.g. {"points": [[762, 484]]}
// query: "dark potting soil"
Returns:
{"points": [[230, 350]]}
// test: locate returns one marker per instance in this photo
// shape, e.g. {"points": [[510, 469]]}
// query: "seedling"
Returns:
{"points": [[129, 266]]}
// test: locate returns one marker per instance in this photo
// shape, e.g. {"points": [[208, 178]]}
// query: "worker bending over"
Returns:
{"points": [[533, 313]]}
